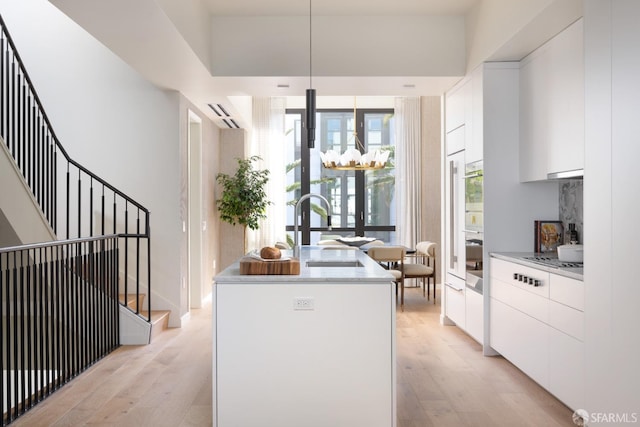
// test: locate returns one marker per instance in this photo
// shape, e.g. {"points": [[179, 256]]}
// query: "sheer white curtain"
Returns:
{"points": [[408, 146], [267, 141]]}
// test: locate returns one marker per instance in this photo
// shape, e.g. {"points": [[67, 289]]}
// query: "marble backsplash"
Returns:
{"points": [[571, 206]]}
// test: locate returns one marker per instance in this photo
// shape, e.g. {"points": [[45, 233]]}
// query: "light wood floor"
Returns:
{"points": [[443, 380]]}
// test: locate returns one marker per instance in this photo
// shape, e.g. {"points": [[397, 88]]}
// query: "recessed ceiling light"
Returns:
{"points": [[409, 86], [283, 85]]}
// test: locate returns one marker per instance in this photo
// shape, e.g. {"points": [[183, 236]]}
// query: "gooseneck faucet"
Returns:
{"points": [[296, 247]]}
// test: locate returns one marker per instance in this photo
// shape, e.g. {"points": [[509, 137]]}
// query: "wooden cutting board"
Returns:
{"points": [[250, 265]]}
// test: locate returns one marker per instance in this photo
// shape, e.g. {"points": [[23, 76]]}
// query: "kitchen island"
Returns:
{"points": [[314, 349]]}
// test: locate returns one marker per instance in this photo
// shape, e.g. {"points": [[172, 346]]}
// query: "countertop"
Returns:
{"points": [[516, 257], [370, 271]]}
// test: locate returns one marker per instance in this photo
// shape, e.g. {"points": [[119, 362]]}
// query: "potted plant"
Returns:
{"points": [[244, 199]]}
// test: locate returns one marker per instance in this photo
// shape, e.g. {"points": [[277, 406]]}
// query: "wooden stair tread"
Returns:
{"points": [[159, 321]]}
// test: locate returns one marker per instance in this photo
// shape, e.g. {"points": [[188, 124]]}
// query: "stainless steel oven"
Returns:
{"points": [[474, 224]]}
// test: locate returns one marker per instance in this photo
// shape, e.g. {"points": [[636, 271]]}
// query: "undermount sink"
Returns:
{"points": [[334, 263]]}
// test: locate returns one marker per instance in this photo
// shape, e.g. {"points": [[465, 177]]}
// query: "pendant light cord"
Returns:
{"points": [[310, 46]]}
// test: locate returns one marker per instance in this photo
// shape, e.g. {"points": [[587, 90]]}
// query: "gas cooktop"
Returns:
{"points": [[552, 262]]}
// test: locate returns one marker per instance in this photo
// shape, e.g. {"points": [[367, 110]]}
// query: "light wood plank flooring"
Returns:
{"points": [[443, 380]]}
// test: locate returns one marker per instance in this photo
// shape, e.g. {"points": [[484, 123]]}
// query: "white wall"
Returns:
{"points": [[210, 168], [342, 46], [192, 19], [110, 120]]}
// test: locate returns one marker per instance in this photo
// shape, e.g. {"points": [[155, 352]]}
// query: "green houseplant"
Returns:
{"points": [[244, 199]]}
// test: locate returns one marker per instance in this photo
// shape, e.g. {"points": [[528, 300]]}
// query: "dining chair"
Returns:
{"points": [[424, 268], [282, 245], [391, 258]]}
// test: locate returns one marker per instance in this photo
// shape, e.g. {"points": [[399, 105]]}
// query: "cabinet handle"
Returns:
{"points": [[454, 287]]}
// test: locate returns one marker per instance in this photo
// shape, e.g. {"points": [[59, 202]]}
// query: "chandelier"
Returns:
{"points": [[354, 158]]}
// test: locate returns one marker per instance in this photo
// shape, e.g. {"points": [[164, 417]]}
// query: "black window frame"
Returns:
{"points": [[360, 228]]}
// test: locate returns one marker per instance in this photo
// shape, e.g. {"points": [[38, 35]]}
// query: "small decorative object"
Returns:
{"points": [[548, 236]]}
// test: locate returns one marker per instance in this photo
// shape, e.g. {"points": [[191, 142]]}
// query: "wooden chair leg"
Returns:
{"points": [[434, 290]]}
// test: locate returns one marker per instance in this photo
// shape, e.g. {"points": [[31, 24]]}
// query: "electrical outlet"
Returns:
{"points": [[304, 303]]}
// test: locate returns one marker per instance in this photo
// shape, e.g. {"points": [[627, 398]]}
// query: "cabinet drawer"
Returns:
{"points": [[521, 339], [474, 318], [455, 300], [526, 302], [517, 274], [566, 319], [566, 369], [567, 291]]}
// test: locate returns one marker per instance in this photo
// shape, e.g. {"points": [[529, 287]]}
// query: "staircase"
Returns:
{"points": [[75, 254], [159, 319]]}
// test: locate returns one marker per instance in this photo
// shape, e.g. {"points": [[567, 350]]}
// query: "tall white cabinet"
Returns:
{"points": [[611, 203], [488, 102]]}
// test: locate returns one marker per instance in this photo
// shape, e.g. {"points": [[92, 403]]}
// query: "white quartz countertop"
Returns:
{"points": [[517, 257], [370, 272]]}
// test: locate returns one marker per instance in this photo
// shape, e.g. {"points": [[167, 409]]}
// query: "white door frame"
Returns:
{"points": [[195, 221]]}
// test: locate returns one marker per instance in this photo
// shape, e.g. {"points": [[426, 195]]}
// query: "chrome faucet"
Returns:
{"points": [[296, 247]]}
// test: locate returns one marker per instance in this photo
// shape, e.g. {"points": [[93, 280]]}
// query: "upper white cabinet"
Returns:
{"points": [[474, 144], [457, 109], [464, 117], [552, 106]]}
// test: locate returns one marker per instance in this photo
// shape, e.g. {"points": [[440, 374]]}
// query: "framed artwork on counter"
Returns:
{"points": [[548, 236]]}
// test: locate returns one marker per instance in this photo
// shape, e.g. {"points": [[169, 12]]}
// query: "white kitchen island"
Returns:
{"points": [[315, 349]]}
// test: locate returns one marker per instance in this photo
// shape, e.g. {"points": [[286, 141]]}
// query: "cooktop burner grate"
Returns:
{"points": [[553, 262]]}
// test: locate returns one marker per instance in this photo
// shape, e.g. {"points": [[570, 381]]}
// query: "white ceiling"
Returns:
{"points": [[175, 45]]}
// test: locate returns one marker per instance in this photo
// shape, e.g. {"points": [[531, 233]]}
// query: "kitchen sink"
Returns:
{"points": [[334, 263]]}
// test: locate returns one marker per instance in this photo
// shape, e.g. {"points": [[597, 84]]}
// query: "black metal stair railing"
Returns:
{"points": [[60, 314], [76, 202]]}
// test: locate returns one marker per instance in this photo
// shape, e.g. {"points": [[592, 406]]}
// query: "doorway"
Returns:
{"points": [[196, 225]]}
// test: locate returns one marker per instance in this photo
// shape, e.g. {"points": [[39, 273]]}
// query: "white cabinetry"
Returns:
{"points": [[464, 117], [275, 365], [552, 106], [455, 140], [458, 128], [539, 326], [458, 108], [474, 314], [475, 124], [566, 335], [455, 300]]}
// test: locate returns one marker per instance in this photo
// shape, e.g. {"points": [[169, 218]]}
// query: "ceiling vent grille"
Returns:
{"points": [[222, 112], [231, 123]]}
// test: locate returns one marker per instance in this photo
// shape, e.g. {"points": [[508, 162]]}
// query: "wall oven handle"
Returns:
{"points": [[473, 231], [473, 175], [452, 231]]}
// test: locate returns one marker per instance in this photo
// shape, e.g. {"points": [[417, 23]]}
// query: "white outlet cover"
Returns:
{"points": [[304, 303]]}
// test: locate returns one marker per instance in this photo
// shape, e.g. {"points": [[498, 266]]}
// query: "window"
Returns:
{"points": [[362, 202]]}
